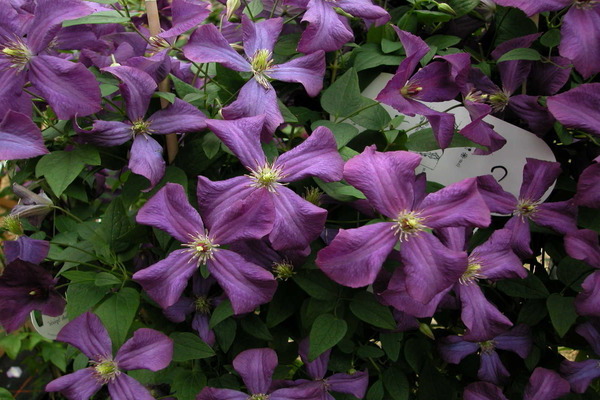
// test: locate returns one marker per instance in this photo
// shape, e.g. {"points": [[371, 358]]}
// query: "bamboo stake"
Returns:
{"points": [[154, 26]]}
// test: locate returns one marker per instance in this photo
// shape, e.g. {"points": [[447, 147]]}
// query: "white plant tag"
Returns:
{"points": [[50, 325], [458, 163]]}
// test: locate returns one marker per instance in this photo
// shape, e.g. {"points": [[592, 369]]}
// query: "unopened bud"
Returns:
{"points": [[445, 7], [426, 330], [232, 6]]}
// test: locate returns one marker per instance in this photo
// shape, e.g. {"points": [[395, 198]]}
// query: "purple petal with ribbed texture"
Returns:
{"points": [[307, 70], [480, 131], [491, 368], [297, 222], [125, 387], [301, 392], [326, 30], [588, 194], [497, 199], [216, 197], [435, 82], [170, 210], [355, 384], [209, 393], [483, 391], [482, 319], [520, 235], [87, 333], [415, 49], [20, 137], [247, 285], [166, 280], [430, 266], [580, 38], [580, 374], [316, 156], [108, 133], [12, 96], [146, 159], [588, 301], [538, 176], [137, 88], [48, 18], [186, 15], [157, 66], [201, 324], [80, 385], [385, 178], [497, 259], [68, 87], [318, 368], [242, 136], [460, 66], [546, 384], [547, 78], [534, 7], [458, 204], [250, 218], [578, 108], [179, 311], [364, 9], [454, 348], [179, 117], [260, 35], [590, 330], [517, 340], [528, 108], [454, 238], [207, 44], [513, 73], [26, 249], [256, 367], [355, 256], [560, 216], [255, 100], [147, 349], [583, 245]]}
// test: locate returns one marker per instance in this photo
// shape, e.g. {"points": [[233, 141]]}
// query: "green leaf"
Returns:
{"points": [[395, 383], [342, 132], [562, 312], [376, 391], [55, 353], [211, 145], [81, 297], [325, 333], [188, 346], [424, 140], [183, 88], [253, 325], [375, 118], [462, 7], [572, 272], [529, 288], [367, 309], [11, 344], [168, 96], [106, 279], [442, 42], [80, 276], [317, 285], [551, 38], [187, 383], [532, 312], [225, 333], [512, 23], [431, 17], [416, 353], [389, 46], [117, 313], [60, 168], [115, 223], [340, 191], [343, 97], [5, 395], [520, 54], [371, 55], [369, 351], [280, 309], [220, 313], [101, 17], [254, 8], [391, 342]]}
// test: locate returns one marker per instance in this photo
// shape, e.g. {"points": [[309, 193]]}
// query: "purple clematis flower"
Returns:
{"points": [[26, 249], [296, 222], [355, 257], [147, 349], [588, 194], [20, 137], [581, 373], [25, 287], [146, 153], [580, 31], [329, 31], [68, 87], [518, 340], [538, 176], [256, 367], [247, 285], [257, 96], [578, 108], [583, 245]]}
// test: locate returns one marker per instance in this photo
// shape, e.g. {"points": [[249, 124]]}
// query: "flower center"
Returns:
{"points": [[410, 90], [585, 4], [106, 370], [526, 208], [18, 53], [472, 273], [283, 270], [202, 248], [202, 304], [259, 396], [476, 96], [408, 223], [261, 62], [12, 224], [266, 176], [498, 101], [487, 346], [140, 126]]}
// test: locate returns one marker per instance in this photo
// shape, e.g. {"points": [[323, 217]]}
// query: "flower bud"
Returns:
{"points": [[445, 7]]}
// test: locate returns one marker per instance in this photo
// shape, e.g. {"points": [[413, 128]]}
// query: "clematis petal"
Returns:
{"points": [[137, 88], [546, 384], [580, 38], [301, 392], [201, 324], [583, 245], [108, 133], [307, 70], [580, 373], [20, 137], [326, 30], [415, 49], [26, 249], [247, 285], [316, 156], [179, 117], [256, 367], [385, 178], [534, 7], [355, 384], [513, 73], [517, 340], [589, 180], [496, 258], [158, 66], [80, 385], [87, 333], [166, 280], [577, 108], [547, 78], [186, 14], [454, 348], [355, 256], [68, 87], [560, 216], [178, 311], [147, 349], [209, 393], [318, 367], [255, 100], [242, 136], [497, 199], [146, 159], [483, 391], [482, 319], [207, 44], [532, 112], [521, 235], [125, 387], [260, 35], [215, 198], [364, 9], [435, 83], [491, 368], [588, 301], [590, 330]]}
